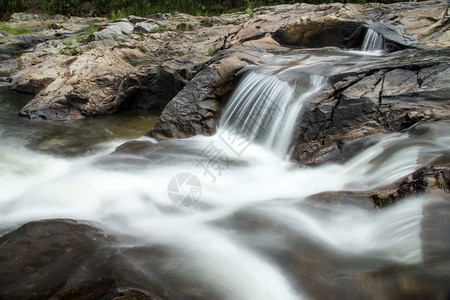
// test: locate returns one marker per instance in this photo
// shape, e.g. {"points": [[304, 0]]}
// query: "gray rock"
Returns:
{"points": [[382, 98], [64, 258], [115, 31], [146, 27]]}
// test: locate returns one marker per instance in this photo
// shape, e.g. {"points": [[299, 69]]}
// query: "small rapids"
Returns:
{"points": [[262, 227], [373, 41]]}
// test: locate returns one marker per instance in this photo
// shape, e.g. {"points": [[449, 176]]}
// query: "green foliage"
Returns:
{"points": [[68, 43], [87, 31], [74, 52], [116, 9], [15, 30], [119, 15], [213, 50]]}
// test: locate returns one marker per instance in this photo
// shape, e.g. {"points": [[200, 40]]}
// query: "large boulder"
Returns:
{"points": [[97, 77], [196, 109], [386, 97], [428, 179], [97, 83], [304, 25], [65, 259]]}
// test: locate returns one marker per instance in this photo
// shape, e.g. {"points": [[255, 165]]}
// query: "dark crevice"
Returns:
{"points": [[380, 95]]}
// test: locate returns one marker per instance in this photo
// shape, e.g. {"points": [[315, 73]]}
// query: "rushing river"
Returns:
{"points": [[237, 218]]}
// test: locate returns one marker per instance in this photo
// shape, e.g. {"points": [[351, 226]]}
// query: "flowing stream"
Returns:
{"points": [[373, 41], [249, 223]]}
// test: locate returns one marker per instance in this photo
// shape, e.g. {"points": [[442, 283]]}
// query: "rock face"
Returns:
{"points": [[97, 77], [426, 179], [64, 259], [427, 21], [385, 98]]}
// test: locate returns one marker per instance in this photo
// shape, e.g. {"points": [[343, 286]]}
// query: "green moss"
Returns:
{"points": [[15, 30]]}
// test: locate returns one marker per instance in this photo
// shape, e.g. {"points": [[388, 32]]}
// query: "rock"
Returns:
{"points": [[196, 109], [136, 19], [146, 27], [160, 84], [212, 21], [132, 75], [427, 21], [345, 198], [426, 179], [394, 39], [36, 78], [187, 26], [306, 26], [388, 98], [18, 44], [112, 32], [7, 67], [97, 83], [66, 259]]}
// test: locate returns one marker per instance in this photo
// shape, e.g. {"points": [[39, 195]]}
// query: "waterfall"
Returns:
{"points": [[373, 41], [264, 109]]}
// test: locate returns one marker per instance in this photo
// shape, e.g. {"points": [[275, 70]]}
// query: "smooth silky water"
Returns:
{"points": [[253, 232]]}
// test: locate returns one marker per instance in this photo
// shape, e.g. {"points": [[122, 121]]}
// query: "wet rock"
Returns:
{"points": [[345, 198], [426, 179], [66, 259], [427, 21], [7, 67], [394, 39], [18, 44], [160, 84], [196, 109], [379, 99]]}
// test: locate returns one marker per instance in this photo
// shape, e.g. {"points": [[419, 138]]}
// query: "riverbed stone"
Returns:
{"points": [[65, 259]]}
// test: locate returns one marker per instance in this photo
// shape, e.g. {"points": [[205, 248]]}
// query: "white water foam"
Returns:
{"points": [[264, 110]]}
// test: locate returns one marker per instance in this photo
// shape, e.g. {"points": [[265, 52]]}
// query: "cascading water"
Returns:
{"points": [[373, 41], [264, 109], [264, 227]]}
